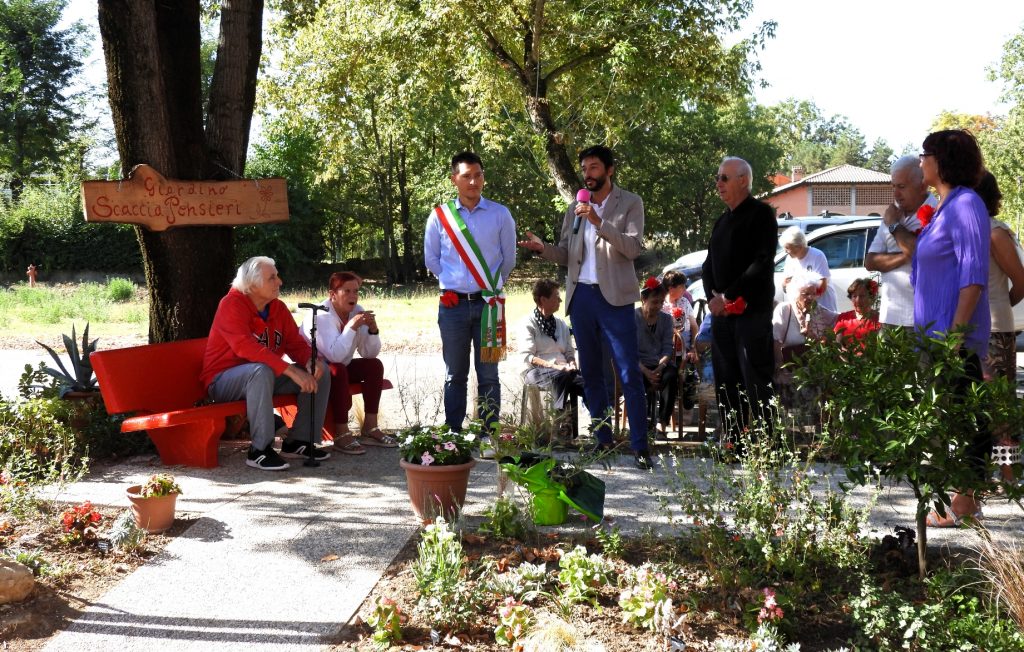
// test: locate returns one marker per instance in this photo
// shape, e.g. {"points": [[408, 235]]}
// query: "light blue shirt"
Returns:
{"points": [[494, 231]]}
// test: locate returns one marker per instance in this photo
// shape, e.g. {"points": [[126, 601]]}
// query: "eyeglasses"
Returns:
{"points": [[924, 154]]}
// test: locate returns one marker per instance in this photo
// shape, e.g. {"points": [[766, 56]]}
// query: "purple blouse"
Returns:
{"points": [[951, 254]]}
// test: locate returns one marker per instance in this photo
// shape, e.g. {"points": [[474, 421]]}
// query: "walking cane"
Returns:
{"points": [[310, 461]]}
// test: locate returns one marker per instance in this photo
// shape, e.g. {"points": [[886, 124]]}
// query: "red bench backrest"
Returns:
{"points": [[151, 378]]}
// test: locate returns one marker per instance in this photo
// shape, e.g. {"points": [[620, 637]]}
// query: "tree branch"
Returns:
{"points": [[505, 60], [579, 61]]}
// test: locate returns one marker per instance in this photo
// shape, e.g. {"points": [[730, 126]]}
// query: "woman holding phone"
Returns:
{"points": [[343, 330]]}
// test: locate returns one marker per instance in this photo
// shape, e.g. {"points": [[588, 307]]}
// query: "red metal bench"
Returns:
{"points": [[160, 384]]}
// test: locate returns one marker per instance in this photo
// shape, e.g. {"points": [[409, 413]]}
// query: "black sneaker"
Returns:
{"points": [[643, 460], [265, 460], [299, 450]]}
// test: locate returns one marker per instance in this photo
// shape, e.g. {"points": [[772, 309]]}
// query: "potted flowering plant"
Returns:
{"points": [[154, 502], [437, 464]]}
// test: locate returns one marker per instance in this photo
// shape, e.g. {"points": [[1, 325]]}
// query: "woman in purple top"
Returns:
{"points": [[950, 276]]}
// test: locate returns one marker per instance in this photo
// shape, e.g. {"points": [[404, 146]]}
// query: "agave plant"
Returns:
{"points": [[81, 377]]}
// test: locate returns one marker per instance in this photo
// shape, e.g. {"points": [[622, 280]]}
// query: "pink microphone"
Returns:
{"points": [[582, 197]]}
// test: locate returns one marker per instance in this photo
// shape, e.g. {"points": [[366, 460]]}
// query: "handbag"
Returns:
{"points": [[690, 382], [790, 354]]}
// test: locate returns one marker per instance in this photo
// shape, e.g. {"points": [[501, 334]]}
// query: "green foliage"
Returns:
{"points": [[785, 525], [953, 618], [46, 227], [386, 620], [436, 446], [895, 411], [610, 540], [514, 621], [503, 519], [33, 560], [446, 599], [816, 142], [120, 290], [647, 591], [125, 535], [159, 484], [80, 376], [36, 444], [38, 63], [581, 575], [525, 582]]}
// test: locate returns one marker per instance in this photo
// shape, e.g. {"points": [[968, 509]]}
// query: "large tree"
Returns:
{"points": [[814, 141], [38, 63], [571, 72], [154, 76]]}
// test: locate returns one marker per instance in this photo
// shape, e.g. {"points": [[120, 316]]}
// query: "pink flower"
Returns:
{"points": [[438, 448], [450, 445], [426, 459]]}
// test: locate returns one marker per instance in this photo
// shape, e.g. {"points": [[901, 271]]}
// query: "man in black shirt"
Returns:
{"points": [[739, 283]]}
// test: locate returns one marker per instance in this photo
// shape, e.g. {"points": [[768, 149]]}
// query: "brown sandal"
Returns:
{"points": [[348, 445], [381, 439]]}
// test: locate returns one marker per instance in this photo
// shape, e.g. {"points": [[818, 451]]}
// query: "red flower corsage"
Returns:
{"points": [[873, 287], [820, 291], [652, 283], [925, 214], [449, 299], [736, 307], [677, 312]]}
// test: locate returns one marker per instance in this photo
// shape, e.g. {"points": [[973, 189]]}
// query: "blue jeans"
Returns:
{"points": [[460, 326], [595, 321]]}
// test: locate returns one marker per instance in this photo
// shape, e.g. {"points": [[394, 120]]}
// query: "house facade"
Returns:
{"points": [[841, 190]]}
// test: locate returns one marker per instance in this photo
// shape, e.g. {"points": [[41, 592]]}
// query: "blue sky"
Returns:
{"points": [[890, 66]]}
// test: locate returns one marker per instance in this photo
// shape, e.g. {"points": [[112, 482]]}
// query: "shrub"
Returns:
{"points": [[581, 575], [120, 290]]}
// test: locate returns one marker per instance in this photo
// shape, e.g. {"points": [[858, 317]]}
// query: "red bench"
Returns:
{"points": [[160, 384]]}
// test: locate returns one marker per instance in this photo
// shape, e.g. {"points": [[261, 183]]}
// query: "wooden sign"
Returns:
{"points": [[157, 203]]}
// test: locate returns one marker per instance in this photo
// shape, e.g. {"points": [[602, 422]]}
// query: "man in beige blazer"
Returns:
{"points": [[599, 241]]}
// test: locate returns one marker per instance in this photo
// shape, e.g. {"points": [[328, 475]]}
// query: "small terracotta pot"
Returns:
{"points": [[154, 515], [437, 490]]}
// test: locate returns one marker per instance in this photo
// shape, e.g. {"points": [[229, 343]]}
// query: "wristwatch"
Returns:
{"points": [[893, 227]]}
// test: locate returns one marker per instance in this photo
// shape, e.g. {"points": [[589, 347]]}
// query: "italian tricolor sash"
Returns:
{"points": [[492, 323]]}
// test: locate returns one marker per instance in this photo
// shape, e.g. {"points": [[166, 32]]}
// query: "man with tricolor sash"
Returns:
{"points": [[470, 246]]}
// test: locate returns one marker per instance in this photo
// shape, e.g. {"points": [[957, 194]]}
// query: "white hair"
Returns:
{"points": [[806, 278], [250, 273], [794, 236], [745, 169], [912, 164]]}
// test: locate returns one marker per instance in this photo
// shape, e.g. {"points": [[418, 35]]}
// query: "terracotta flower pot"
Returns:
{"points": [[437, 490], [154, 515]]}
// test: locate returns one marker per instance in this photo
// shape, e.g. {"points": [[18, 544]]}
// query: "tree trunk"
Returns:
{"points": [[560, 166], [408, 255], [153, 73]]}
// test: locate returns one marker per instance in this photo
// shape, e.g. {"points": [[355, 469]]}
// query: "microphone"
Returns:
{"points": [[582, 197]]}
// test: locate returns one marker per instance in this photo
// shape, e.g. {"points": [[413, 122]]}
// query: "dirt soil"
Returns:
{"points": [[78, 576]]}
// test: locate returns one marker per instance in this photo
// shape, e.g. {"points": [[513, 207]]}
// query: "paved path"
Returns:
{"points": [[250, 571]]}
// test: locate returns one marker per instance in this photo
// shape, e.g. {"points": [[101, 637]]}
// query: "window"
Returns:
{"points": [[831, 195], [844, 250]]}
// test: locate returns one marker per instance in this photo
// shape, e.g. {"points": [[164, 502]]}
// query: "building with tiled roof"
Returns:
{"points": [[842, 190]]}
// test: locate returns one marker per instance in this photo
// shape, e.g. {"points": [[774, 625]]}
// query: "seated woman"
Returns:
{"points": [[863, 319], [794, 324], [546, 346], [342, 331], [654, 334], [680, 308]]}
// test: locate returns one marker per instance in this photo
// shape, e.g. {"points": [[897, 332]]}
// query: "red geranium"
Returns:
{"points": [[736, 307], [652, 283], [924, 214], [873, 287], [449, 299], [677, 312]]}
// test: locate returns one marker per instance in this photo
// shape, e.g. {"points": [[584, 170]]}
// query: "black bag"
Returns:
{"points": [[689, 386]]}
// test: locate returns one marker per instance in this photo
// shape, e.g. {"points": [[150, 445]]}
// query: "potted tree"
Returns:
{"points": [[437, 463], [154, 502]]}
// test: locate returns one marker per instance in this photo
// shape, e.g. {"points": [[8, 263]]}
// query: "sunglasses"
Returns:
{"points": [[724, 178]]}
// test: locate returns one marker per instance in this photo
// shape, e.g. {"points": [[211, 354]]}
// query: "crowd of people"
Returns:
{"points": [[944, 264]]}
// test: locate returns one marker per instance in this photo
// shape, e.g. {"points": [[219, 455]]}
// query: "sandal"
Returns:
{"points": [[952, 520], [348, 445], [381, 439]]}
